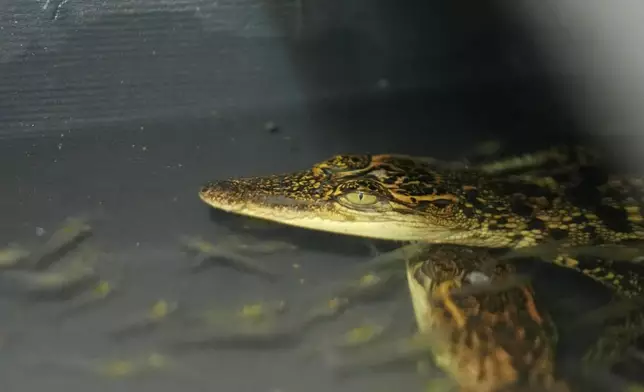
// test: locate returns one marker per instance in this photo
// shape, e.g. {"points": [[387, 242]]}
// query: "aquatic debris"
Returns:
{"points": [[361, 335], [258, 337], [258, 326], [67, 237], [159, 312], [63, 283], [372, 286], [329, 309], [381, 354], [262, 311], [253, 325], [99, 294], [396, 258], [253, 313], [12, 256], [122, 368], [207, 252], [253, 245], [355, 338], [127, 368]]}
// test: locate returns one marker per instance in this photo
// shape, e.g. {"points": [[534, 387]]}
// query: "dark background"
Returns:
{"points": [[121, 110]]}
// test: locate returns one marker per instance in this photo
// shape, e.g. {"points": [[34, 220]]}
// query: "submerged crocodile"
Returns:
{"points": [[566, 197], [486, 329]]}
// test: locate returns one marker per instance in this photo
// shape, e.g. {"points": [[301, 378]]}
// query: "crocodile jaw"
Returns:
{"points": [[321, 218], [297, 200]]}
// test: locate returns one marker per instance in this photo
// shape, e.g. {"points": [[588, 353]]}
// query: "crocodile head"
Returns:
{"points": [[482, 322], [390, 197]]}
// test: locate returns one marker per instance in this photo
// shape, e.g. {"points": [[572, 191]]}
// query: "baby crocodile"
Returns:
{"points": [[486, 329], [568, 197]]}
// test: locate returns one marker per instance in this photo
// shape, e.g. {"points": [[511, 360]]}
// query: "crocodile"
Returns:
{"points": [[487, 330], [560, 195], [565, 195]]}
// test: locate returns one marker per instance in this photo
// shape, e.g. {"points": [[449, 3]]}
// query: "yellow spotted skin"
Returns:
{"points": [[487, 340], [564, 194]]}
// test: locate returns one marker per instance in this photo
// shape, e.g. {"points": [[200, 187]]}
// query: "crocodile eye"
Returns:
{"points": [[361, 198]]}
